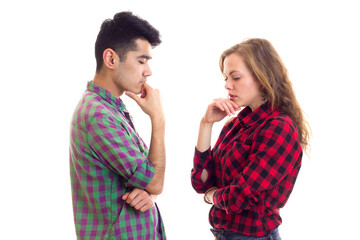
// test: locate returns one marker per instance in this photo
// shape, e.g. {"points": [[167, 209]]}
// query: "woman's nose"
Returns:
{"points": [[228, 85]]}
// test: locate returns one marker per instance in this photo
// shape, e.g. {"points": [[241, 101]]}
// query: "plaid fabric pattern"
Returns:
{"points": [[254, 163], [107, 159]]}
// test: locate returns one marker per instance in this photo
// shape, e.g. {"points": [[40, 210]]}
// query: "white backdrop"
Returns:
{"points": [[47, 57]]}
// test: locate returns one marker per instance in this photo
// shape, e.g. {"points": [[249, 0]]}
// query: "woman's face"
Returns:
{"points": [[242, 87]]}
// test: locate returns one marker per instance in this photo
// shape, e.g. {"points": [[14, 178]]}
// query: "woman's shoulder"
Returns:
{"points": [[280, 119]]}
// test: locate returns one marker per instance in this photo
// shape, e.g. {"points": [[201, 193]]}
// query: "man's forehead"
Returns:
{"points": [[142, 44], [143, 49]]}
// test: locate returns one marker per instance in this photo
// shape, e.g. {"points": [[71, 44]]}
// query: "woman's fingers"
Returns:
{"points": [[219, 108], [227, 105], [227, 108], [235, 106]]}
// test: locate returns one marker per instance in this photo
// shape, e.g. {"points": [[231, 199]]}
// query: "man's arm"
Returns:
{"points": [[150, 103], [157, 155], [115, 148]]}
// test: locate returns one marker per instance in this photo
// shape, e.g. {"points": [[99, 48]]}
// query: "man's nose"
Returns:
{"points": [[147, 71]]}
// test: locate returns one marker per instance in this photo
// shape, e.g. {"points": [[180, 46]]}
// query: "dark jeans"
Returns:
{"points": [[229, 235]]}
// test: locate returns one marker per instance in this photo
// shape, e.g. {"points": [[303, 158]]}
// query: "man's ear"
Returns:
{"points": [[110, 58]]}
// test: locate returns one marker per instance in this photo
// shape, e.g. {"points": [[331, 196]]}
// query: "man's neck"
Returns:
{"points": [[106, 82]]}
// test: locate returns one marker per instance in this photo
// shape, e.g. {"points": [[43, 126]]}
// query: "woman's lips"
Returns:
{"points": [[232, 97]]}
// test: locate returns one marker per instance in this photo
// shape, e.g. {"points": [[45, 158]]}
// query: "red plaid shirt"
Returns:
{"points": [[254, 163]]}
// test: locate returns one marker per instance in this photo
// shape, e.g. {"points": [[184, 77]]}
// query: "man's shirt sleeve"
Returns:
{"points": [[276, 155], [117, 149]]}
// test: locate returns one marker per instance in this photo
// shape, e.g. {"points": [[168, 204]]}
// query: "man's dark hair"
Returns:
{"points": [[120, 34]]}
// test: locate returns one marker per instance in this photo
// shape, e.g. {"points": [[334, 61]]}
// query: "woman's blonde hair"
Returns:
{"points": [[268, 69]]}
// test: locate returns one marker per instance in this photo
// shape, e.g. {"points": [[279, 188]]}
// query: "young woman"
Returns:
{"points": [[250, 172]]}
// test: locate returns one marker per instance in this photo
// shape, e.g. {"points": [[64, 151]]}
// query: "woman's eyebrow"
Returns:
{"points": [[234, 72]]}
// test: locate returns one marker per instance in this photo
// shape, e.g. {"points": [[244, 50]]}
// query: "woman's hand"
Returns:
{"points": [[216, 111], [209, 195], [220, 108]]}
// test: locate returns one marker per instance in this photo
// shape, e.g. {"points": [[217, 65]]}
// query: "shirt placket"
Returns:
{"points": [[128, 117], [139, 142]]}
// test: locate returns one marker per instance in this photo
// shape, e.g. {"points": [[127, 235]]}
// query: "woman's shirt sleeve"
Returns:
{"points": [[202, 160], [273, 165]]}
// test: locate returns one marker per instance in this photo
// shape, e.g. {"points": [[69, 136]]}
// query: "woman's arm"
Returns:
{"points": [[216, 111], [203, 143], [204, 137]]}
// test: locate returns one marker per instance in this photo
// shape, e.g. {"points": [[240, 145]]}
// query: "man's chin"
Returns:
{"points": [[137, 92]]}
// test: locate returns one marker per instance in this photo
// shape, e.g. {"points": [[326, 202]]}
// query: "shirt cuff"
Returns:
{"points": [[201, 158], [236, 197], [142, 176]]}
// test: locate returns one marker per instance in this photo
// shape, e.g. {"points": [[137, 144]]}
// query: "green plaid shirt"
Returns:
{"points": [[107, 159]]}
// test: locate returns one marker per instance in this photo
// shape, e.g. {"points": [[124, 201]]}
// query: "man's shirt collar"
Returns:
{"points": [[107, 96]]}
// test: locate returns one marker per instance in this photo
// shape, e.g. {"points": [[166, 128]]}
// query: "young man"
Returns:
{"points": [[113, 174]]}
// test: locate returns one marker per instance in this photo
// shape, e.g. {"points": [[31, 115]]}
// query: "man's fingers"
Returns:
{"points": [[132, 195], [143, 92], [146, 207], [136, 196], [145, 204], [140, 205], [139, 199], [146, 86], [125, 196], [133, 96], [136, 201]]}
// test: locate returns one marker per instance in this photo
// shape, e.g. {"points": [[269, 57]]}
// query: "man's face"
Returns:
{"points": [[133, 72]]}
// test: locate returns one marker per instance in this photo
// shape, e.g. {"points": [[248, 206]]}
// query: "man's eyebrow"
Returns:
{"points": [[145, 56]]}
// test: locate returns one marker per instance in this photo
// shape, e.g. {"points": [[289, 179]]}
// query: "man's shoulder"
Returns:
{"points": [[91, 105]]}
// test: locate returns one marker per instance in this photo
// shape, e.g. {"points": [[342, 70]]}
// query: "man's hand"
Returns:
{"points": [[149, 101], [139, 199]]}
